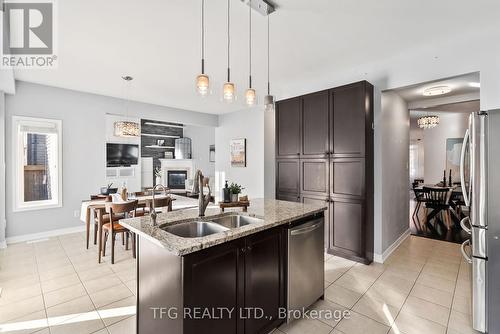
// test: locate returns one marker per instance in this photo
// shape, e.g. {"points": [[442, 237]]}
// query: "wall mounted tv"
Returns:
{"points": [[118, 155]]}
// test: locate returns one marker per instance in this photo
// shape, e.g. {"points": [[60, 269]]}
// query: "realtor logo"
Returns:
{"points": [[28, 34]]}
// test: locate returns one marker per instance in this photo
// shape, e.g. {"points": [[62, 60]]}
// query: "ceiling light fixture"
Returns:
{"points": [[250, 94], [228, 89], [202, 80], [475, 84], [428, 122], [437, 90], [127, 128], [268, 99]]}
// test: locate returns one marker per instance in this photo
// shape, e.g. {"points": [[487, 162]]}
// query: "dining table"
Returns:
{"points": [[91, 208], [455, 201]]}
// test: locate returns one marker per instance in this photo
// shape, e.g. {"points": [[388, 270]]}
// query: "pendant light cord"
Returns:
{"points": [[250, 44], [202, 36], [228, 39], [268, 84]]}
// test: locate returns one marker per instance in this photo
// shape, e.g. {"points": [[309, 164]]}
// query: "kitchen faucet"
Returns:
{"points": [[203, 200], [153, 211]]}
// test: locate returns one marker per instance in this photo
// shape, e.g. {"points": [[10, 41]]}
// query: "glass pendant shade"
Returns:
{"points": [[228, 92], [202, 84], [428, 122], [250, 97], [269, 103], [127, 129]]}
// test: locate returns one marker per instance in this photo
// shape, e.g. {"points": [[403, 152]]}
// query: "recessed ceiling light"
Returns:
{"points": [[475, 84], [437, 90]]}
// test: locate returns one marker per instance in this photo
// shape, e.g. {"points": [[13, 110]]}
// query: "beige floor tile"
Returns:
{"points": [[333, 270], [306, 326], [354, 283], [57, 272], [341, 296], [462, 304], [461, 323], [410, 324], [360, 324], [20, 281], [436, 282], [376, 309], [126, 326], [60, 282], [426, 310], [21, 308], [83, 324], [11, 295], [441, 272], [101, 283], [93, 273], [370, 272], [110, 295], [432, 295], [64, 312], [384, 292], [329, 313], [118, 311], [31, 323], [132, 286], [127, 275], [64, 295]]}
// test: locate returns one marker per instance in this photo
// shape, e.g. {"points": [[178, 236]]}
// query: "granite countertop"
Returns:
{"points": [[273, 212]]}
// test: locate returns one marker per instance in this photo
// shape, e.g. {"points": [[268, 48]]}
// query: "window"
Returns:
{"points": [[37, 163]]}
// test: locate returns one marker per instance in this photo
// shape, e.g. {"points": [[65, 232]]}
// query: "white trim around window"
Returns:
{"points": [[51, 131]]}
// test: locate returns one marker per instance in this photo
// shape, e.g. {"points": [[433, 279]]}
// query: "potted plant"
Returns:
{"points": [[235, 190]]}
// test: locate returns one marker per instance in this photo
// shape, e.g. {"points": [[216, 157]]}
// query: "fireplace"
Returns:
{"points": [[176, 179]]}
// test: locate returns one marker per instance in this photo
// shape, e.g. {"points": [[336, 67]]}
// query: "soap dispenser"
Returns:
{"points": [[226, 193]]}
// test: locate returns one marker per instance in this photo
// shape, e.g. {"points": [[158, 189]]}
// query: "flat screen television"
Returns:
{"points": [[118, 155]]}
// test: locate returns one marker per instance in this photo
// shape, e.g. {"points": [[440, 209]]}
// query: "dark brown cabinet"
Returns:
{"points": [[335, 163], [242, 275], [315, 125], [288, 119]]}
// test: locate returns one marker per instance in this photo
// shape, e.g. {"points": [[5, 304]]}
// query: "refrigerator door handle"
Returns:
{"points": [[465, 228], [462, 169], [466, 256]]}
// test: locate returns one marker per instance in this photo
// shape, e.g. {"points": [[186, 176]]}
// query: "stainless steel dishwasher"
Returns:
{"points": [[306, 264]]}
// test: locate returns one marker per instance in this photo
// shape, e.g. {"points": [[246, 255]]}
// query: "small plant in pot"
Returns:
{"points": [[235, 190]]}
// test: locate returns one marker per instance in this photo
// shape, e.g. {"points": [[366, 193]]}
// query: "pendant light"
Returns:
{"points": [[127, 128], [268, 99], [250, 95], [202, 80], [228, 94]]}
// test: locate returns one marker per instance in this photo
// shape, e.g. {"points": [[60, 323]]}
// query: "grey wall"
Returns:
{"points": [[83, 150], [395, 141], [201, 139], [2, 169], [451, 125], [248, 124]]}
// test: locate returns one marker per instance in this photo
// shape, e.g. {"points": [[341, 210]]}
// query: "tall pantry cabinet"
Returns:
{"points": [[324, 154]]}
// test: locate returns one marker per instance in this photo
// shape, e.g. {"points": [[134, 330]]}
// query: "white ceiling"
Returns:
{"points": [[158, 42], [460, 85]]}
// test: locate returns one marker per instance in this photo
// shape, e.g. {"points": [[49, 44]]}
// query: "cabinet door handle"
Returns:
{"points": [[249, 248], [243, 249]]}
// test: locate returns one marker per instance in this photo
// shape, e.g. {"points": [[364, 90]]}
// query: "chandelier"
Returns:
{"points": [[428, 122], [127, 128]]}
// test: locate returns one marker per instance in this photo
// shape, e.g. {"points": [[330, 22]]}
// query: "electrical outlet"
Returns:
{"points": [[76, 213]]}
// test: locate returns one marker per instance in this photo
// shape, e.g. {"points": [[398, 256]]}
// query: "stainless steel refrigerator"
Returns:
{"points": [[480, 169]]}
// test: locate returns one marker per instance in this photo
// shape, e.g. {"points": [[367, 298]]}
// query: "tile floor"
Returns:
{"points": [[56, 286]]}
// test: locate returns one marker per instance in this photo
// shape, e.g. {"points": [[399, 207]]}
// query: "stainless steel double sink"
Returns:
{"points": [[196, 229]]}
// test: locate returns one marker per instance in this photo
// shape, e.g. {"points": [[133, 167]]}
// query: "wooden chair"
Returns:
{"points": [[420, 199], [165, 202], [438, 199], [116, 212], [105, 218]]}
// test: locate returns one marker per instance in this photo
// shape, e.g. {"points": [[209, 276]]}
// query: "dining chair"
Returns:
{"points": [[438, 199], [116, 212], [104, 218], [420, 199], [163, 204]]}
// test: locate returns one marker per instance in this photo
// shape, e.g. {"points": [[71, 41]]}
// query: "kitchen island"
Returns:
{"points": [[221, 273]]}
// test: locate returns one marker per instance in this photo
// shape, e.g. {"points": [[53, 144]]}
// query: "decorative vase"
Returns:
{"points": [[234, 197], [158, 180]]}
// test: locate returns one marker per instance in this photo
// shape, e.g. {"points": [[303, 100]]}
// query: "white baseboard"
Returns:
{"points": [[42, 235], [380, 258], [3, 244]]}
